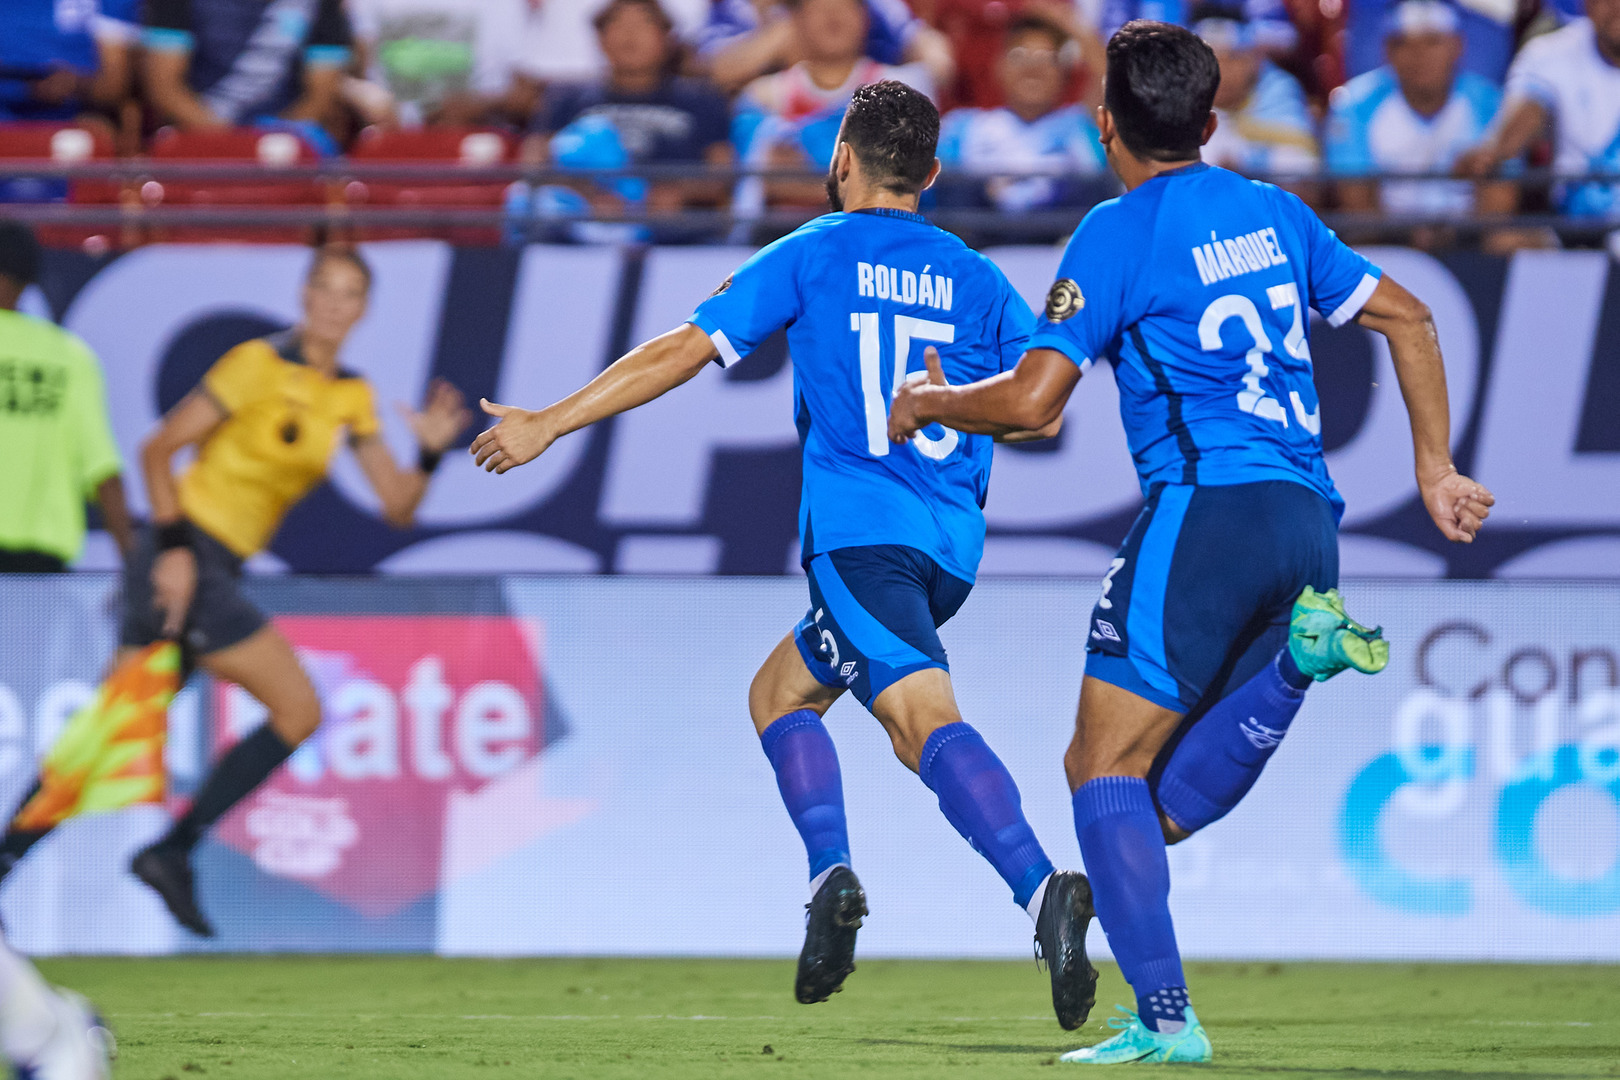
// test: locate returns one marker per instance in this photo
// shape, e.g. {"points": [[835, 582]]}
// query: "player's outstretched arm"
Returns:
{"points": [[650, 370], [1458, 505], [1028, 399]]}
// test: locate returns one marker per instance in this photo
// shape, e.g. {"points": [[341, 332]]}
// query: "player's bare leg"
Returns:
{"points": [[1116, 733], [784, 685], [265, 666]]}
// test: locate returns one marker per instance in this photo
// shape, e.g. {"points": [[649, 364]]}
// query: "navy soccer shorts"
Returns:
{"points": [[874, 617], [1199, 598]]}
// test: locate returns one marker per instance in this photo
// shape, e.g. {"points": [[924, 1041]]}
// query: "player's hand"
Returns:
{"points": [[905, 412], [174, 582], [442, 420], [1458, 504], [518, 437]]}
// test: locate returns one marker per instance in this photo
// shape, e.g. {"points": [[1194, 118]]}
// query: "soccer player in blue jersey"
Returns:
{"points": [[892, 534], [1220, 609]]}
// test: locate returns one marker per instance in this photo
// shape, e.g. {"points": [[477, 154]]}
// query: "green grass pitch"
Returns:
{"points": [[235, 1018]]}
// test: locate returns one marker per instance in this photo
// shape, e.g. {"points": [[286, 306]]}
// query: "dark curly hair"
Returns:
{"points": [[894, 131], [1160, 87]]}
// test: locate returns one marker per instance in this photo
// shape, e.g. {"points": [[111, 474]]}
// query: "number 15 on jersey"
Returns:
{"points": [[907, 328]]}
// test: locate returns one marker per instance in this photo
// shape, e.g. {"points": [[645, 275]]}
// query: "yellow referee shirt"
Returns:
{"points": [[284, 422], [55, 443]]}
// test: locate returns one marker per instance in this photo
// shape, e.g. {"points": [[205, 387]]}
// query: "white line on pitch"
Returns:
{"points": [[549, 1017]]}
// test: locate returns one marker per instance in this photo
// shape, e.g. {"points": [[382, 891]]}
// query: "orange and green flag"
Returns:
{"points": [[110, 754]]}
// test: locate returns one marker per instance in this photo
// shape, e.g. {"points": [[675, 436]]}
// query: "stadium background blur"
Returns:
{"points": [[520, 688]]}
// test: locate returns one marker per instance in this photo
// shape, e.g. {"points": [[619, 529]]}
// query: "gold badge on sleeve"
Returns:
{"points": [[1063, 300]]}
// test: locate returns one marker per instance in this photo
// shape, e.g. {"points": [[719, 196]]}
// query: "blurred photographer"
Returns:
{"points": [[55, 438]]}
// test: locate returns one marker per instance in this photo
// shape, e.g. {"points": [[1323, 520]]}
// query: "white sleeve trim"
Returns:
{"points": [[728, 354], [112, 31], [1358, 300]]}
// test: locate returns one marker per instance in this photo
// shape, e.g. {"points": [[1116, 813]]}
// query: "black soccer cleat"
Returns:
{"points": [[167, 870], [828, 956], [1060, 940]]}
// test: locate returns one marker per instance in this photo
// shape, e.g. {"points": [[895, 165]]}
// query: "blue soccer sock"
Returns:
{"points": [[1123, 848], [1224, 753], [806, 764], [978, 797]]}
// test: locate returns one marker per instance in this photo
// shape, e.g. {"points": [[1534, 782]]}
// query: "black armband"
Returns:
{"points": [[176, 534], [428, 460]]}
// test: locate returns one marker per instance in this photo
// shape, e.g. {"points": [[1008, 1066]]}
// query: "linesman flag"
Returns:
{"points": [[110, 754]]}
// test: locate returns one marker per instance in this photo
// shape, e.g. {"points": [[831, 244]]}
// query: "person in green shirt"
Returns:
{"points": [[55, 439]]}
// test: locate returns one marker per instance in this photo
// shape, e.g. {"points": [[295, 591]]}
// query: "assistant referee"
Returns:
{"points": [[263, 423], [56, 446]]}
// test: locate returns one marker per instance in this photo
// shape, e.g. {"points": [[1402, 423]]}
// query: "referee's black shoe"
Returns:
{"points": [[167, 869], [1060, 940], [828, 956]]}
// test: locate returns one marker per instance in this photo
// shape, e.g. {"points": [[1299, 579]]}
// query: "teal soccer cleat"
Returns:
{"points": [[1324, 641], [1136, 1043]]}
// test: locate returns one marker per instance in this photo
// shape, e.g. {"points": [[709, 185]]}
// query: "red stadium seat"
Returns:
{"points": [[272, 150], [33, 144], [443, 147]]}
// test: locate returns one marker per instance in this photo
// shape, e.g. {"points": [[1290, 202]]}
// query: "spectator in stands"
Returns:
{"points": [[561, 42], [744, 39], [977, 32], [450, 62], [1034, 134], [225, 63], [1486, 26], [655, 117], [1566, 83], [1264, 127], [59, 59], [1271, 29], [55, 438], [1416, 114], [790, 119]]}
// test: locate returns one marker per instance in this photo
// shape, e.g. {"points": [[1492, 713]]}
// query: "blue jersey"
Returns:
{"points": [[1195, 286], [862, 295]]}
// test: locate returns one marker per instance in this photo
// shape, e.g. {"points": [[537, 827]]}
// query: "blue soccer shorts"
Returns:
{"points": [[1199, 597], [874, 617]]}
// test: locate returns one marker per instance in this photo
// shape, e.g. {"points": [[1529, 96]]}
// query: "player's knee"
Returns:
{"points": [[909, 733], [908, 747], [766, 700], [1173, 833], [1083, 763], [1074, 765]]}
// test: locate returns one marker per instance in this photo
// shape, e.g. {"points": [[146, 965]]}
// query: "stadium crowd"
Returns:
{"points": [[1411, 110]]}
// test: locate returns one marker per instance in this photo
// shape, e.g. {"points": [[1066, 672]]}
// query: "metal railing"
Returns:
{"points": [[344, 190]]}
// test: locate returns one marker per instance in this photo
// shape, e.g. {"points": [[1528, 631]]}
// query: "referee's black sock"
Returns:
{"points": [[16, 842], [243, 768]]}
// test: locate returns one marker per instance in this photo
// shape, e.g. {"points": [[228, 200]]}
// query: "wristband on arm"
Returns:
{"points": [[428, 460], [174, 534]]}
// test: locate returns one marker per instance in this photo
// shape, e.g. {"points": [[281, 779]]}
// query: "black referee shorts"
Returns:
{"points": [[220, 615]]}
